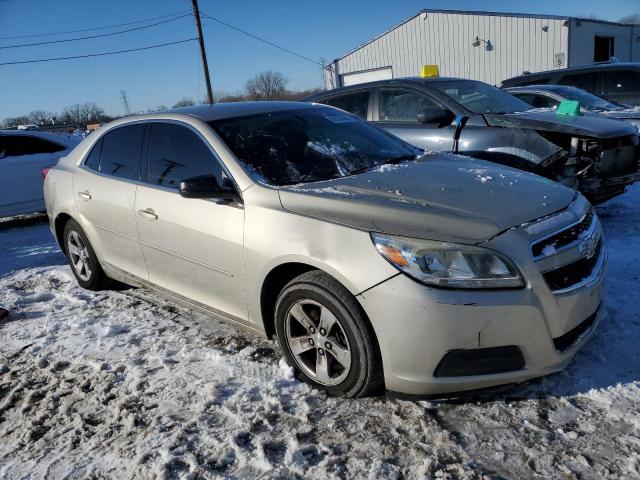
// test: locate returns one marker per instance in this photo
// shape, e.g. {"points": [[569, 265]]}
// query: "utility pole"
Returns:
{"points": [[125, 102], [205, 65]]}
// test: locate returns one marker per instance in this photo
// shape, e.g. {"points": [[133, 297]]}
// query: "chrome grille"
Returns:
{"points": [[564, 239], [573, 273]]}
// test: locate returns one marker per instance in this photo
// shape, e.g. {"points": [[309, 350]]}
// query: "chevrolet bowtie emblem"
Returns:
{"points": [[588, 246]]}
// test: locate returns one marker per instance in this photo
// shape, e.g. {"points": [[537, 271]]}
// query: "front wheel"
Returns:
{"points": [[325, 336], [82, 259]]}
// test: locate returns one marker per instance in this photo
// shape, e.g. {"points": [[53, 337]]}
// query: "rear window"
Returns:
{"points": [[121, 149], [18, 145], [306, 145]]}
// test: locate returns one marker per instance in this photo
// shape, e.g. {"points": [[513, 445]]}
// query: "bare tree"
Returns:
{"points": [[40, 117], [82, 113], [15, 121], [633, 19], [268, 85], [185, 102]]}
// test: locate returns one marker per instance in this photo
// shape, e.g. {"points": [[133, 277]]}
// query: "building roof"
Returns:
{"points": [[474, 12]]}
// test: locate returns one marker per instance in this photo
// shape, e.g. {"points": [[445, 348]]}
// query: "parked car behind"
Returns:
{"points": [[550, 96], [598, 156], [617, 82], [373, 264], [23, 155]]}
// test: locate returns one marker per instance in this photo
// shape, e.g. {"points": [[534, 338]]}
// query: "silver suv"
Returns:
{"points": [[375, 265]]}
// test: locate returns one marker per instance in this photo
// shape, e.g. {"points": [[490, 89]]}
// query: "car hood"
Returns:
{"points": [[595, 126], [630, 114], [439, 197]]}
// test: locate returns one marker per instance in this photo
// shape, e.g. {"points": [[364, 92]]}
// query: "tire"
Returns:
{"points": [[82, 259], [345, 356]]}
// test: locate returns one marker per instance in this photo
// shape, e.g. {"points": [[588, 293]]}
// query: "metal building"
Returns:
{"points": [[484, 46]]}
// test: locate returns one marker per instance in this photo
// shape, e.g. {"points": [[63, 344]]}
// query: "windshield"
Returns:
{"points": [[586, 99], [479, 97], [311, 144]]}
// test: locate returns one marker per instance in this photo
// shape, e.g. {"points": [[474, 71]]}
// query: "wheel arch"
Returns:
{"points": [[59, 224]]}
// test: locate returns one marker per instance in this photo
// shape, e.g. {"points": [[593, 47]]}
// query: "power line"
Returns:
{"points": [[32, 35], [261, 39], [65, 40], [98, 54]]}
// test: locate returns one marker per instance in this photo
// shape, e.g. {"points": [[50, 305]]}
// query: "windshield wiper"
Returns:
{"points": [[386, 161]]}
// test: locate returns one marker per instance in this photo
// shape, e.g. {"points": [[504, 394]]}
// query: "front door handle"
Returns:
{"points": [[84, 195], [148, 213]]}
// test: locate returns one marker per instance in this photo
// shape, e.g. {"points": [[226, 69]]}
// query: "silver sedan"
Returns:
{"points": [[373, 264]]}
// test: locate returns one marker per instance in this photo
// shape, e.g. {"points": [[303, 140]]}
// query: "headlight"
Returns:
{"points": [[448, 265]]}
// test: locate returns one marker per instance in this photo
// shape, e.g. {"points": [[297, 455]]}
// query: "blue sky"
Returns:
{"points": [[316, 29]]}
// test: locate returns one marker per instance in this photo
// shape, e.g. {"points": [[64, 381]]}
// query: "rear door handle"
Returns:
{"points": [[84, 195], [148, 213]]}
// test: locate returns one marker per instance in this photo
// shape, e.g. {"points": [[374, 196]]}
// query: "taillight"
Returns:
{"points": [[45, 170]]}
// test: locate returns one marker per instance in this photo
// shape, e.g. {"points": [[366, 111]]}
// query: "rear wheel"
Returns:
{"points": [[325, 336], [82, 259]]}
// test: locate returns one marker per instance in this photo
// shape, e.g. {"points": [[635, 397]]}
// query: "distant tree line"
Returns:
{"points": [[78, 114], [267, 85]]}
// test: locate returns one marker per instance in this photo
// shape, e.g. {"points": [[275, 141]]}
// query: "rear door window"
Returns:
{"points": [[586, 81], [401, 105], [621, 82], [93, 159], [17, 145], [356, 103], [121, 149], [177, 153]]}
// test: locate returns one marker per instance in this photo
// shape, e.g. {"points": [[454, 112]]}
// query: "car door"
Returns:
{"points": [[397, 112], [22, 158], [104, 191], [193, 247]]}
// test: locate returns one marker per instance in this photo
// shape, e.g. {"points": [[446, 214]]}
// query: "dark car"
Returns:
{"points": [[550, 96], [617, 82], [596, 155]]}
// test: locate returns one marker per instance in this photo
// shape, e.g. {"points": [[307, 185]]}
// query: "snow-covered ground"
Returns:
{"points": [[123, 384]]}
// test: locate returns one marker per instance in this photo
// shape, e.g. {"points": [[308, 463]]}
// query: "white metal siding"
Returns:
{"points": [[583, 33], [445, 39]]}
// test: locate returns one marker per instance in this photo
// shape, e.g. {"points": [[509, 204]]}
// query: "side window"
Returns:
{"points": [[93, 159], [17, 145], [625, 81], [121, 148], [538, 101], [586, 81], [177, 153], [403, 105], [355, 103]]}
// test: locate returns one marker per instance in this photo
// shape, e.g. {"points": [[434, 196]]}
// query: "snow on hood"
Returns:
{"points": [[439, 197]]}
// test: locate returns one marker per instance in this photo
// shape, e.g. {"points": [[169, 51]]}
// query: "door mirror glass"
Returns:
{"points": [[207, 186]]}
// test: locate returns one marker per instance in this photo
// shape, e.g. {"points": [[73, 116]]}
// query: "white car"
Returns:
{"points": [[23, 156]]}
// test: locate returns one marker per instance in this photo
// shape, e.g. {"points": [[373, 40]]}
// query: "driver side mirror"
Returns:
{"points": [[207, 186], [435, 115]]}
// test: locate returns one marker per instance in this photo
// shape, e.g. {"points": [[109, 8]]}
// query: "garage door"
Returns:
{"points": [[366, 76]]}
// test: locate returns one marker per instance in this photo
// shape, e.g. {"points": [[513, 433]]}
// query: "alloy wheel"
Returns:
{"points": [[79, 256], [318, 342]]}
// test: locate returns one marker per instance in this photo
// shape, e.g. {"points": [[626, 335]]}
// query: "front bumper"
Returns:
{"points": [[598, 190], [417, 326]]}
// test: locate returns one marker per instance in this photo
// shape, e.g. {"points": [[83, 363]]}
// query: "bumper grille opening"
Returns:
{"points": [[564, 238], [565, 341], [480, 361], [569, 275]]}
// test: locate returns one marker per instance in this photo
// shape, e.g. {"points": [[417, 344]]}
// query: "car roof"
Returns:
{"points": [[219, 111], [65, 139], [390, 81], [585, 68]]}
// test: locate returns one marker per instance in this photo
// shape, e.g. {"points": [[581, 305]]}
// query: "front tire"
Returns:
{"points": [[325, 335], [82, 259]]}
